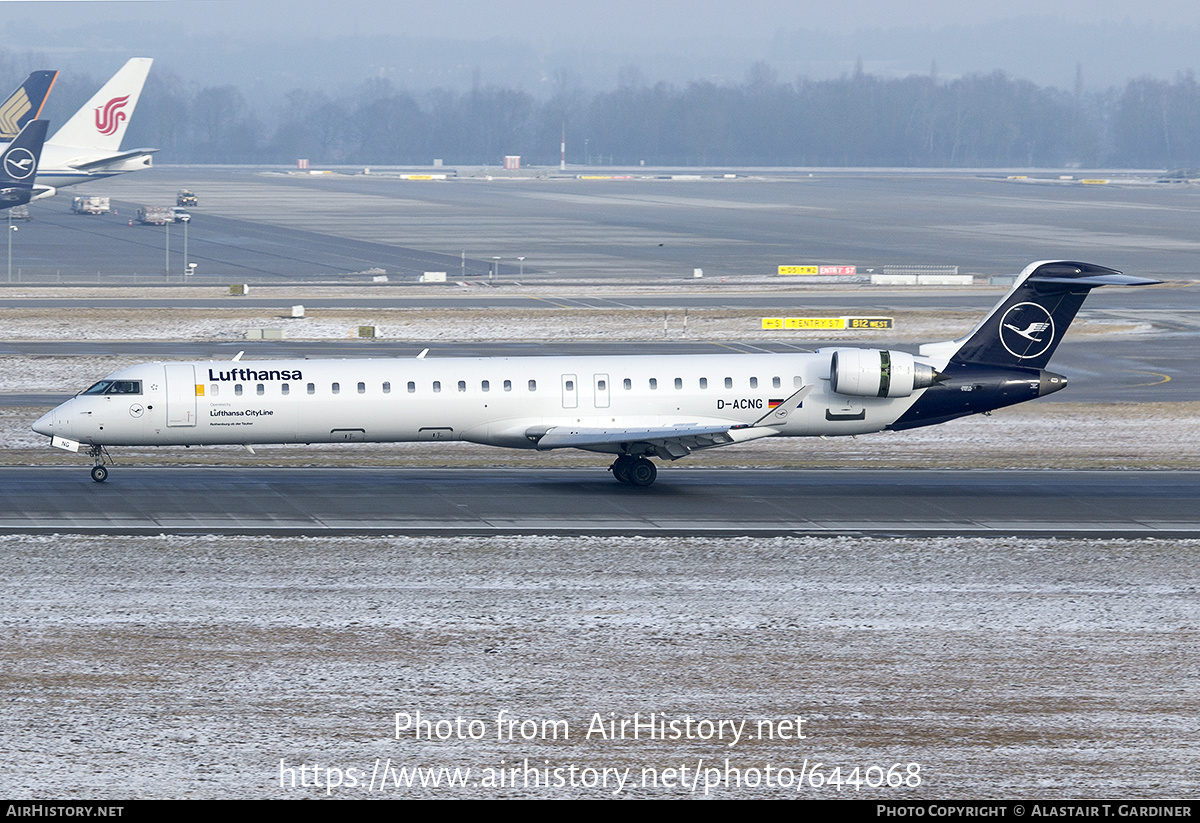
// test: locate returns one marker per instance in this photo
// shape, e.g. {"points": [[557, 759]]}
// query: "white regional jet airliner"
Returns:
{"points": [[635, 407]]}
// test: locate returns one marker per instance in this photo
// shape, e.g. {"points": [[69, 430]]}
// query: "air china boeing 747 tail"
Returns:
{"points": [[633, 407]]}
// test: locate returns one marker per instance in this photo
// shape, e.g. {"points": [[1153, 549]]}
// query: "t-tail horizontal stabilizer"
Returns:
{"points": [[1028, 324]]}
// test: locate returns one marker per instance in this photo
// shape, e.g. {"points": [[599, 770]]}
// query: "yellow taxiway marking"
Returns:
{"points": [[1166, 378]]}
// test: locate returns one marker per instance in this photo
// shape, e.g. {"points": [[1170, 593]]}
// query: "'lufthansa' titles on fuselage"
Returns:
{"points": [[253, 374]]}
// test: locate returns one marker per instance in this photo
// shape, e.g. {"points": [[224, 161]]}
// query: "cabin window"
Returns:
{"points": [[754, 382], [485, 385], [237, 389], [462, 385], [798, 382], [285, 388], [775, 382], [312, 388], [628, 384], [362, 388], [601, 385], [729, 382], [679, 382], [653, 383], [336, 388], [508, 385], [387, 387], [533, 385], [260, 390], [437, 386], [569, 385], [412, 387], [212, 390], [704, 382]]}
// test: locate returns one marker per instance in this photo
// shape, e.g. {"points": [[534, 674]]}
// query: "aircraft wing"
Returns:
{"points": [[668, 442]]}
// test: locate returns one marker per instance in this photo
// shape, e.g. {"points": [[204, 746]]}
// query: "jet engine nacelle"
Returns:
{"points": [[878, 373]]}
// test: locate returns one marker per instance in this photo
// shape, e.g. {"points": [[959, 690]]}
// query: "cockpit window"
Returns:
{"points": [[116, 387]]}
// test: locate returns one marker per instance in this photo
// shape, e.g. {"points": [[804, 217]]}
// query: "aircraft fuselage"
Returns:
{"points": [[495, 401]]}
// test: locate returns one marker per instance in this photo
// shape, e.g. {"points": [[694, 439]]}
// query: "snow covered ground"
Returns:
{"points": [[214, 667]]}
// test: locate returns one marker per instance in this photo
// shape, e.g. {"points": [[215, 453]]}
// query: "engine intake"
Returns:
{"points": [[878, 373]]}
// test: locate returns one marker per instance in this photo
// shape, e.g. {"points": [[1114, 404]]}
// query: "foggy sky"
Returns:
{"points": [[269, 47]]}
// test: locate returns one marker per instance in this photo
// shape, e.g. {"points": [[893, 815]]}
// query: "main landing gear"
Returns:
{"points": [[99, 456], [633, 471]]}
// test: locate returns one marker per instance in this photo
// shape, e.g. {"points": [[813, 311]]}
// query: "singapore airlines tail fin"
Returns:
{"points": [[18, 165], [99, 127], [1025, 328], [25, 103]]}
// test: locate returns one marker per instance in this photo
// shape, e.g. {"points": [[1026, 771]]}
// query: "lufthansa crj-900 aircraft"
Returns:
{"points": [[635, 407]]}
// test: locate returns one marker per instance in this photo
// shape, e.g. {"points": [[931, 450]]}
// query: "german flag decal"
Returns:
{"points": [[773, 403]]}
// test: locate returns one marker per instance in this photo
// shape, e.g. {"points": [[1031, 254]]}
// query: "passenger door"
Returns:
{"points": [[570, 391], [600, 383], [181, 394]]}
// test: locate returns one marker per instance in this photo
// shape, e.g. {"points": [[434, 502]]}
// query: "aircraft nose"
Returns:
{"points": [[45, 424]]}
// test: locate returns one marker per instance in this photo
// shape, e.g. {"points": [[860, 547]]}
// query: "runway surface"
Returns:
{"points": [[684, 502], [276, 228]]}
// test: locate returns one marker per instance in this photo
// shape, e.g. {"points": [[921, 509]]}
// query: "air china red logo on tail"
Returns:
{"points": [[109, 116]]}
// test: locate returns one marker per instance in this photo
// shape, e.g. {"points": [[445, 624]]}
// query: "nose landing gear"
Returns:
{"points": [[100, 456], [633, 471]]}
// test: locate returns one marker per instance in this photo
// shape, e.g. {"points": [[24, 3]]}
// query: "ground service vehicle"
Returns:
{"points": [[90, 205], [156, 215]]}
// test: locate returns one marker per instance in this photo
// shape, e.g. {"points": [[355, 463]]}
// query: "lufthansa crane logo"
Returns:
{"points": [[19, 163], [1026, 330], [109, 116]]}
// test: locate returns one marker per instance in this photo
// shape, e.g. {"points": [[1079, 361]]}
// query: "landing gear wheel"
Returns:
{"points": [[620, 468], [99, 474], [642, 473]]}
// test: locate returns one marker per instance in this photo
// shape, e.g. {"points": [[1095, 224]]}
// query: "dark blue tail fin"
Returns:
{"points": [[1002, 360], [18, 164], [25, 103], [1028, 324]]}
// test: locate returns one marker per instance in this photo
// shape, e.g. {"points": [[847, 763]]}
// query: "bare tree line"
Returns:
{"points": [[982, 120]]}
